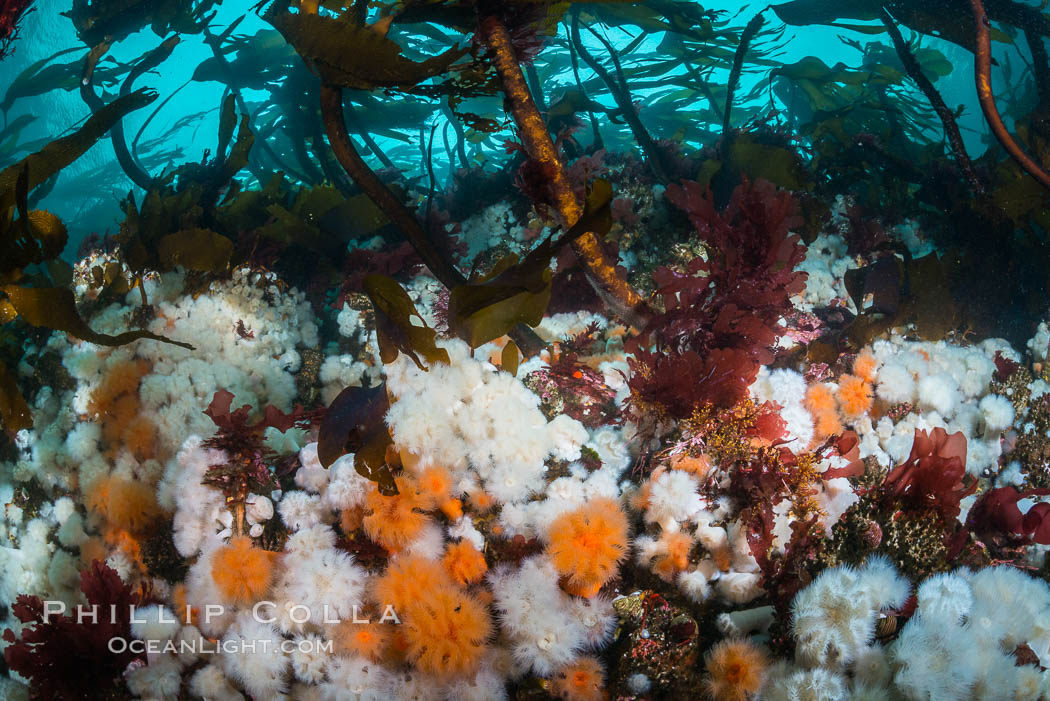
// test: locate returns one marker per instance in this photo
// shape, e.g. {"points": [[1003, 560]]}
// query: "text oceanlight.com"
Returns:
{"points": [[203, 646]]}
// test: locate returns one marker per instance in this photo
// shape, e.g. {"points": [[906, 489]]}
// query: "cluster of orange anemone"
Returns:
{"points": [[444, 629], [736, 670], [444, 613], [124, 511], [443, 605], [395, 521], [852, 399], [116, 406]]}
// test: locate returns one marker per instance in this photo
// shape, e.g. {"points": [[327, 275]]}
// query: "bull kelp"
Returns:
{"points": [[472, 350]]}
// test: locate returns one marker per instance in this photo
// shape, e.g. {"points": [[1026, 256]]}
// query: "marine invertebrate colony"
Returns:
{"points": [[586, 545]]}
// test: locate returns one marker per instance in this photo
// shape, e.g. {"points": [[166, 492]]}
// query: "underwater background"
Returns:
{"points": [[467, 349]]}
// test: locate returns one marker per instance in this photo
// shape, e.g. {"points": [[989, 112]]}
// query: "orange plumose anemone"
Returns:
{"points": [[675, 555], [140, 438], [827, 425], [446, 632], [396, 521], [481, 501], [123, 503], [93, 549], [121, 378], [119, 415], [855, 396], [242, 572], [822, 405], [583, 680], [366, 640], [587, 544], [819, 398], [436, 483], [639, 500], [698, 465], [865, 366], [452, 508], [408, 578], [736, 670], [116, 406], [186, 614], [464, 563]]}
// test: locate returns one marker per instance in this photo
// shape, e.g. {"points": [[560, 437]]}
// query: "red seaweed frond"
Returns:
{"points": [[584, 170], [63, 658], [581, 343], [934, 475], [775, 474], [237, 421], [996, 513], [1004, 367], [679, 382], [12, 12], [251, 464], [721, 314]]}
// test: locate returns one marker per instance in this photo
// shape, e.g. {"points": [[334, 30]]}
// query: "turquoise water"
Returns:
{"points": [[182, 129]]}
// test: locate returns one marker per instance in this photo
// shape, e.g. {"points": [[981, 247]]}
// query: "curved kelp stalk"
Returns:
{"points": [[346, 55], [149, 120], [602, 272], [535, 85], [596, 131], [746, 37], [131, 167], [951, 128], [319, 147], [705, 88], [366, 179], [983, 77], [461, 137], [355, 124], [61, 152], [618, 88]]}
